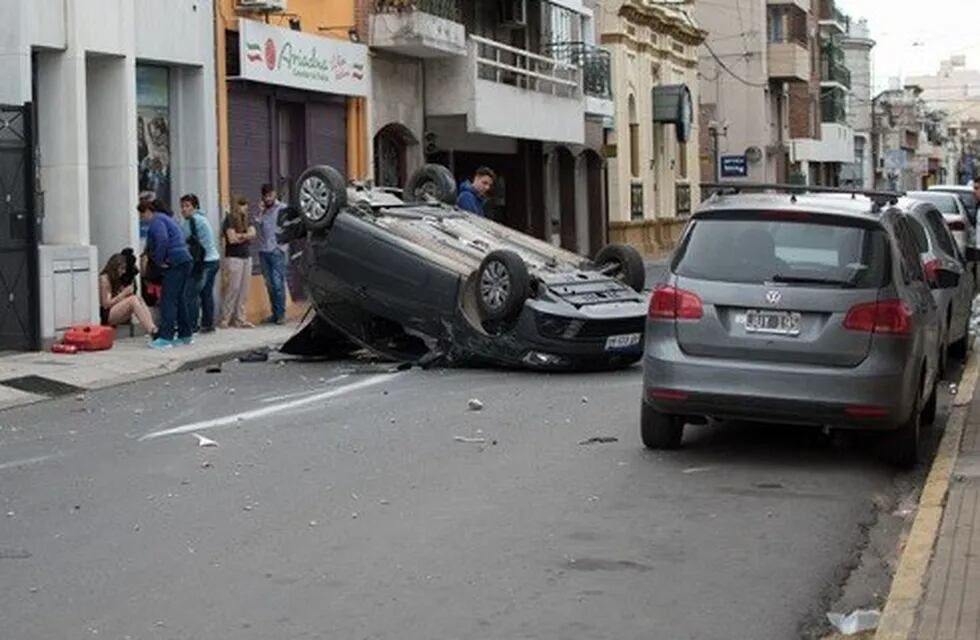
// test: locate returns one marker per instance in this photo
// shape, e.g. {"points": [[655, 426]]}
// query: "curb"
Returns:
{"points": [[908, 585]]}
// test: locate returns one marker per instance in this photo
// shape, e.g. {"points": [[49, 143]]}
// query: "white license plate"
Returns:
{"points": [[784, 323], [627, 341]]}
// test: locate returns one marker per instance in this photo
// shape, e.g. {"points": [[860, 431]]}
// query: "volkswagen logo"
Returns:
{"points": [[773, 296]]}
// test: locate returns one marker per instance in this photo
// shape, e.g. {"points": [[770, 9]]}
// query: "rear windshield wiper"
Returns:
{"points": [[846, 284]]}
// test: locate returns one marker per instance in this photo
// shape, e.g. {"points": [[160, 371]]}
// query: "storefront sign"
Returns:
{"points": [[303, 61], [734, 167]]}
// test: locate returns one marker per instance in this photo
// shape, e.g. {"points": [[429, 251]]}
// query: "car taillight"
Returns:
{"points": [[670, 303], [956, 224], [887, 317], [932, 268]]}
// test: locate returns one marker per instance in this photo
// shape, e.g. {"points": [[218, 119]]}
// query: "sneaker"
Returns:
{"points": [[161, 343], [280, 321], [184, 342]]}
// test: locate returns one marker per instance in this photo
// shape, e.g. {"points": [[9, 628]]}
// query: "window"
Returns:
{"points": [[753, 250], [911, 263], [681, 160], [777, 24], [941, 232], [153, 129], [634, 140]]}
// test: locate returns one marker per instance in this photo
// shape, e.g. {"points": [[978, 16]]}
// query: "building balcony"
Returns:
{"points": [[804, 5], [833, 20], [833, 105], [418, 28], [596, 65], [833, 70], [836, 144], [789, 60], [510, 92]]}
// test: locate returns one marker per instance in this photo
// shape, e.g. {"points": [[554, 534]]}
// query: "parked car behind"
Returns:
{"points": [[958, 218], [939, 251], [796, 308], [965, 194]]}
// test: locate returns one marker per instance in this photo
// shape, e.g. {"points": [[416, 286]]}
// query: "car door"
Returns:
{"points": [[917, 295]]}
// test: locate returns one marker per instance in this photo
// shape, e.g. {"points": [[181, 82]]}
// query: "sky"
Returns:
{"points": [[914, 36]]}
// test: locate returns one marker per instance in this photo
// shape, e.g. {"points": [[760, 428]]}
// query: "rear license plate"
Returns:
{"points": [[784, 323], [620, 343]]}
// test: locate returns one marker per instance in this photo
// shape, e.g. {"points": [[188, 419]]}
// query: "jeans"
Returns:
{"points": [[173, 302], [200, 296], [274, 271]]}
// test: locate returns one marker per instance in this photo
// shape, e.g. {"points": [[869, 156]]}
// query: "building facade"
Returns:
{"points": [[653, 147], [857, 45], [293, 92], [518, 87], [101, 100]]}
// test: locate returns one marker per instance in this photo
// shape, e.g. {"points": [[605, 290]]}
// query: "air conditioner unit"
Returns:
{"points": [[266, 6], [513, 13]]}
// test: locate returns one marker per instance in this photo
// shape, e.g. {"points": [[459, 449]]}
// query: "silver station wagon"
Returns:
{"points": [[788, 306]]}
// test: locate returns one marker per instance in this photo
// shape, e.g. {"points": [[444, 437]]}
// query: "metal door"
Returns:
{"points": [[18, 240]]}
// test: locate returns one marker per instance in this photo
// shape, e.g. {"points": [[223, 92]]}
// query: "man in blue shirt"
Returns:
{"points": [[473, 193], [272, 255], [167, 247], [200, 288]]}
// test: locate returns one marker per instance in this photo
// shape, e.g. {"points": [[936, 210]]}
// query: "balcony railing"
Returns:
{"points": [[595, 63], [833, 106], [832, 69], [442, 8], [502, 63]]}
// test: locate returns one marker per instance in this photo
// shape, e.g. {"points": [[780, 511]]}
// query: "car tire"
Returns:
{"points": [[901, 446], [660, 430], [291, 225], [629, 270], [961, 347], [321, 193], [431, 181], [502, 285]]}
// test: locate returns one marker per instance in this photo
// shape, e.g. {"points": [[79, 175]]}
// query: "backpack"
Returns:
{"points": [[195, 247]]}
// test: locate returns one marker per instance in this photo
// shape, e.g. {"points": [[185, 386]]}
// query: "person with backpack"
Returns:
{"points": [[204, 251]]}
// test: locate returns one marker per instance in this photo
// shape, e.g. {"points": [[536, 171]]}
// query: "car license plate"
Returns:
{"points": [[784, 323], [619, 343]]}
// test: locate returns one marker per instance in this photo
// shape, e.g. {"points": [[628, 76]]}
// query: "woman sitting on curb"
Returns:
{"points": [[118, 302]]}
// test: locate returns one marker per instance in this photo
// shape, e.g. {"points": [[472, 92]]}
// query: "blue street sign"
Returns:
{"points": [[734, 167]]}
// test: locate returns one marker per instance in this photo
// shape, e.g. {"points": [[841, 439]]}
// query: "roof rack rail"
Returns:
{"points": [[879, 198]]}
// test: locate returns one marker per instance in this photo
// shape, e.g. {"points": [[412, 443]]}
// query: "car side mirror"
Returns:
{"points": [[972, 254], [946, 279]]}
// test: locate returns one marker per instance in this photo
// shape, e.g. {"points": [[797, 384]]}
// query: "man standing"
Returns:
{"points": [[200, 288], [473, 193], [166, 246], [271, 254]]}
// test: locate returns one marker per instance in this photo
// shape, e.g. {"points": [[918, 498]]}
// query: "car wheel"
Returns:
{"points": [[321, 192], [660, 430], [961, 347], [901, 446], [502, 286], [431, 181], [624, 263], [291, 226]]}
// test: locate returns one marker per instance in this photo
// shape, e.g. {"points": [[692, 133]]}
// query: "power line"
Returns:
{"points": [[728, 70]]}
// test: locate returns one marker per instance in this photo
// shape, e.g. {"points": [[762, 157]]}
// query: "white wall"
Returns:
{"points": [[397, 98], [87, 52]]}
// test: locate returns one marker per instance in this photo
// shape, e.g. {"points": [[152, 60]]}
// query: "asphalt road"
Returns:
{"points": [[340, 504]]}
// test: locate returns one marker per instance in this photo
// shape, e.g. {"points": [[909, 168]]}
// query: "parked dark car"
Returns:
{"points": [[785, 306], [413, 278]]}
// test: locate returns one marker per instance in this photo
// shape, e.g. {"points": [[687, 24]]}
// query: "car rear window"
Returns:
{"points": [[945, 202], [754, 251]]}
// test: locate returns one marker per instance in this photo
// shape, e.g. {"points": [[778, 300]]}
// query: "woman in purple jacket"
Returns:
{"points": [[167, 248]]}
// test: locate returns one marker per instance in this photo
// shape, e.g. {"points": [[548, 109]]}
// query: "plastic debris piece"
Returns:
{"points": [[205, 442], [855, 622], [215, 368], [383, 501], [313, 523], [696, 470], [585, 399], [80, 397], [475, 404], [600, 440], [258, 355], [470, 440]]}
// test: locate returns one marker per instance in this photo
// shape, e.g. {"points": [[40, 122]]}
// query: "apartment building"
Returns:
{"points": [[857, 46], [518, 86]]}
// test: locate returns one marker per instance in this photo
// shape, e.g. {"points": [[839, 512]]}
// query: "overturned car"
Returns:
{"points": [[411, 277]]}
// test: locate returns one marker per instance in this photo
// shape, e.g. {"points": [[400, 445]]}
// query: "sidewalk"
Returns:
{"points": [[935, 594], [48, 374], [950, 609]]}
